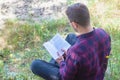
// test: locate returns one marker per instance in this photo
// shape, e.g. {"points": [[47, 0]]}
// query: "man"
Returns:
{"points": [[86, 59]]}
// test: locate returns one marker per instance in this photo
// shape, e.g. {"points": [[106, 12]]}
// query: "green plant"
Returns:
{"points": [[1, 69]]}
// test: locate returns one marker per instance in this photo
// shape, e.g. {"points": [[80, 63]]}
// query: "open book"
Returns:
{"points": [[55, 45]]}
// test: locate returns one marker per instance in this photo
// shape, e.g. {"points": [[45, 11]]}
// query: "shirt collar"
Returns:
{"points": [[87, 34]]}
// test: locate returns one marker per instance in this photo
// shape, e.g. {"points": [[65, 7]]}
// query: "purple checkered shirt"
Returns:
{"points": [[87, 58]]}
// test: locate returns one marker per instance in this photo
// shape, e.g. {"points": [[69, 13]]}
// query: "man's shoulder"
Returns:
{"points": [[102, 32]]}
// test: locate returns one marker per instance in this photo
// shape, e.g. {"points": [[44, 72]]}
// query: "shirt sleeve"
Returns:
{"points": [[69, 67]]}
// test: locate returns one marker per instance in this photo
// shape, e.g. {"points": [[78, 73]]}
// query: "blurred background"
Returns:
{"points": [[26, 24]]}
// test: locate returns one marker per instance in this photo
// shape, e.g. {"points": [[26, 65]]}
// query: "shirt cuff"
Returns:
{"points": [[62, 63]]}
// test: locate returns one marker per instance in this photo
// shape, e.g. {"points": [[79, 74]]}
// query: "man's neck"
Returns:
{"points": [[84, 30]]}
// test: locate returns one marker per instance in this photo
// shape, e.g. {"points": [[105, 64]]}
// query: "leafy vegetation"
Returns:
{"points": [[22, 42]]}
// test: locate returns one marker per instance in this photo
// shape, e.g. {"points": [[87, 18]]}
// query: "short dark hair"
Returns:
{"points": [[78, 13]]}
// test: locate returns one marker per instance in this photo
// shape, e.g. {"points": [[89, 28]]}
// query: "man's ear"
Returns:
{"points": [[74, 25]]}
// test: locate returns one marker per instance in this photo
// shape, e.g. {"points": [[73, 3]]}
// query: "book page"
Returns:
{"points": [[59, 43], [51, 49]]}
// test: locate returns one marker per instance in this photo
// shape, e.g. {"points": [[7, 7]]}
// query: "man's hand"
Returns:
{"points": [[65, 53], [58, 60]]}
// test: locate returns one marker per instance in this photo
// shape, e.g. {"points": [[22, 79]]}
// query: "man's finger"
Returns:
{"points": [[63, 50], [58, 54]]}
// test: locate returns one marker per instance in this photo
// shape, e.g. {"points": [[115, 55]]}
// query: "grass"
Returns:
{"points": [[22, 42]]}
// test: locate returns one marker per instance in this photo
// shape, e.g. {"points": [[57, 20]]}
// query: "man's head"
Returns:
{"points": [[78, 14]]}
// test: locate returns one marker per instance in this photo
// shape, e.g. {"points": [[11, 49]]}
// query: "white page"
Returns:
{"points": [[51, 49], [55, 45], [60, 43]]}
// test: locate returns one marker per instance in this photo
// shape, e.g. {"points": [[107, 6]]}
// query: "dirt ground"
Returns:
{"points": [[30, 9]]}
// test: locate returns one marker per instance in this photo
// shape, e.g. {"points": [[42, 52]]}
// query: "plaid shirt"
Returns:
{"points": [[87, 58]]}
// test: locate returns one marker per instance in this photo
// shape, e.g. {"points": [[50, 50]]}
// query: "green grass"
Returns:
{"points": [[24, 44], [23, 41]]}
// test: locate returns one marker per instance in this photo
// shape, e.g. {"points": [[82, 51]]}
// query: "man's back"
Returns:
{"points": [[86, 60]]}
